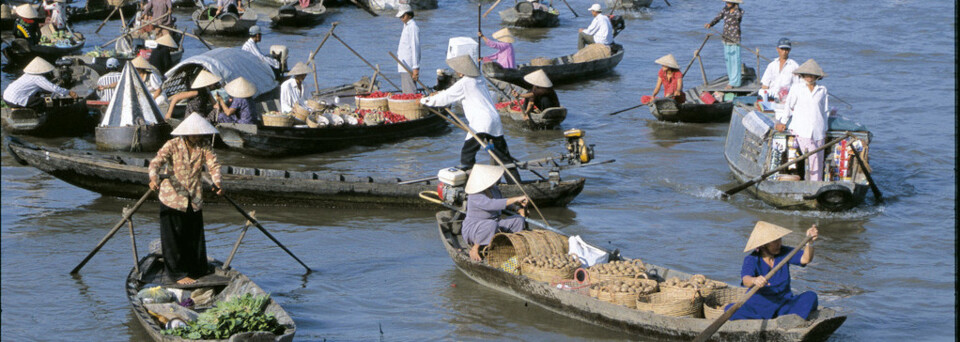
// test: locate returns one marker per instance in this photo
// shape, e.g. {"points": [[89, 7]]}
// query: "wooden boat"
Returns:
{"points": [[524, 15], [126, 176], [753, 147], [694, 110], [563, 69], [101, 11], [546, 119], [819, 326], [628, 5], [20, 51], [61, 117], [293, 14], [227, 24], [227, 284]]}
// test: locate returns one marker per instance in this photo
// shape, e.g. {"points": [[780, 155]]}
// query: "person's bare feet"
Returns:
{"points": [[475, 255], [186, 281], [729, 87]]}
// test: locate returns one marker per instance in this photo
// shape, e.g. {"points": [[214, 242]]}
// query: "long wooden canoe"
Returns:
{"points": [[562, 70], [694, 110], [226, 283], [524, 15], [123, 175], [294, 15], [226, 24], [20, 52], [819, 326], [61, 117]]}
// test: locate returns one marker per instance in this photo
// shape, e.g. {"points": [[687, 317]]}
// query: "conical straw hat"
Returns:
{"points": [[141, 63], [205, 78], [734, 1], [167, 40], [38, 66], [241, 88], [464, 65], [504, 36], [27, 11], [299, 69], [668, 61], [538, 78], [810, 67], [194, 125], [764, 233], [482, 177]]}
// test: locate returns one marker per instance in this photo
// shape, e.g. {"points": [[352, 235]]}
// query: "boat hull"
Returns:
{"points": [[295, 16], [64, 118], [532, 18], [228, 24], [139, 138], [562, 71], [20, 52]]}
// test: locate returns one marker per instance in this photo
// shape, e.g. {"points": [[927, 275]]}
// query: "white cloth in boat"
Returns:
{"points": [[601, 29], [408, 50], [291, 94], [18, 92], [58, 17], [775, 78], [481, 115], [807, 111], [252, 47], [483, 217]]}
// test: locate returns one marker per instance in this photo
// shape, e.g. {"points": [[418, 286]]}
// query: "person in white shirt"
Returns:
{"points": [[252, 47], [148, 75], [600, 30], [482, 117], [106, 84], [779, 78], [26, 91], [291, 91], [408, 51], [807, 110], [58, 15]]}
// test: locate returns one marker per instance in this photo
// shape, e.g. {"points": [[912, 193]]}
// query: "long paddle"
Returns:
{"points": [[115, 9], [131, 31], [491, 8], [365, 8], [705, 335], [126, 216], [310, 60], [243, 232], [626, 109], [571, 9], [803, 157], [866, 172], [188, 35], [334, 35]]}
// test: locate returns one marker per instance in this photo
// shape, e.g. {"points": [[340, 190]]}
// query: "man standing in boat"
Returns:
{"points": [[779, 78], [27, 91], [807, 109], [600, 30], [159, 9], [732, 15], [482, 117], [408, 50], [252, 47]]}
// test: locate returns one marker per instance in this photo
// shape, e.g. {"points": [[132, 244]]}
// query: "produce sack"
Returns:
{"points": [[156, 295], [587, 254], [591, 52]]}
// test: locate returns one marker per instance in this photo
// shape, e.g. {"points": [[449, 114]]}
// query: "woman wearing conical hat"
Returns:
{"points": [[670, 78], [199, 98], [27, 26], [806, 116], [541, 95], [181, 197], [149, 78], [775, 298], [484, 206], [241, 109], [30, 89], [160, 56], [503, 42]]}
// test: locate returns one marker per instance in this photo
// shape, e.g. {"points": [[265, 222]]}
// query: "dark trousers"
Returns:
{"points": [[35, 101], [468, 154], [183, 243]]}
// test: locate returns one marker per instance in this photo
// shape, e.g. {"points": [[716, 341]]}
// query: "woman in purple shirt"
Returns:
{"points": [[504, 45], [241, 109], [484, 203]]}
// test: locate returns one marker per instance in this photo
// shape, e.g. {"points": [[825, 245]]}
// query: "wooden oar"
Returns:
{"points": [[310, 59], [705, 335], [571, 9], [803, 157], [131, 31], [696, 53], [115, 9], [243, 232], [365, 8], [126, 216], [187, 35], [626, 109], [866, 172], [491, 8], [668, 3], [334, 35]]}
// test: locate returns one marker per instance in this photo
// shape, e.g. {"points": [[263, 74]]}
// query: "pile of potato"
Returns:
{"points": [[626, 286], [695, 281], [560, 261], [621, 268]]}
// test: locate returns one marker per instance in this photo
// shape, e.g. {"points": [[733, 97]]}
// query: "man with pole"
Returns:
{"points": [[408, 50]]}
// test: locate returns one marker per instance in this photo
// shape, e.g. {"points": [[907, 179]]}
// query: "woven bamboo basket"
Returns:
{"points": [[278, 120], [536, 244], [541, 61], [116, 3], [591, 52], [378, 103], [673, 304], [714, 303], [410, 109], [705, 289], [503, 246], [546, 274], [609, 293], [596, 276], [556, 241]]}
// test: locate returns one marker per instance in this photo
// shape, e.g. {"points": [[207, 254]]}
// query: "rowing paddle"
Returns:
{"points": [[631, 108], [126, 217], [759, 179], [491, 8], [705, 335], [866, 172]]}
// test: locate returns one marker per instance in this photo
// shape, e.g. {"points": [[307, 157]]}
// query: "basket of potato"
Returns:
{"points": [[696, 283], [619, 269], [623, 291], [549, 268], [676, 304]]}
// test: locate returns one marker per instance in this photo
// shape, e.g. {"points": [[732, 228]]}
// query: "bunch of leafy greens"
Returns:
{"points": [[241, 314]]}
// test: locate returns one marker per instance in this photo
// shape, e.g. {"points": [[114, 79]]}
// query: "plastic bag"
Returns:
{"points": [[587, 254], [155, 295]]}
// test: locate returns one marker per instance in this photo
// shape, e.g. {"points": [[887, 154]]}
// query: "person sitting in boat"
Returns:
{"points": [[504, 44], [541, 95], [199, 99], [232, 6], [779, 78], [28, 90], [670, 78], [600, 30], [807, 109], [775, 298], [538, 6], [58, 15], [108, 82], [149, 78], [160, 56], [291, 90], [251, 47], [482, 117], [484, 206], [27, 26], [241, 109], [181, 197]]}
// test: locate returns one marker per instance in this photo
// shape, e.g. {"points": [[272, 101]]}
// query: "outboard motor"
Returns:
{"points": [[577, 146], [618, 24], [450, 190], [280, 53]]}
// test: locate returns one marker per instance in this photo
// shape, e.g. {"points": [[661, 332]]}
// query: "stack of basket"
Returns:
{"points": [[407, 105], [549, 268], [373, 103], [618, 269], [623, 291], [523, 244], [713, 304], [697, 283], [680, 297], [277, 119]]}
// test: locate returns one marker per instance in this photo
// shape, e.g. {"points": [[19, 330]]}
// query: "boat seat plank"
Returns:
{"points": [[246, 171], [274, 173]]}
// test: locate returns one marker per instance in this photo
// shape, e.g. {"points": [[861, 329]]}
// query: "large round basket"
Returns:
{"points": [[712, 285], [596, 276], [410, 109], [558, 243], [673, 304], [549, 275], [536, 244], [714, 303], [504, 246], [610, 294], [377, 104], [278, 120]]}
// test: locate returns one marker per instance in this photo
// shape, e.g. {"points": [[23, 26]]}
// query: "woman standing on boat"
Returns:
{"points": [[541, 95], [732, 15], [806, 115], [503, 42], [199, 100], [484, 203], [181, 197], [775, 298], [670, 78]]}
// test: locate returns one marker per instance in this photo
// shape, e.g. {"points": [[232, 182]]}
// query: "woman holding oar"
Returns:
{"points": [[484, 204], [670, 78], [181, 198]]}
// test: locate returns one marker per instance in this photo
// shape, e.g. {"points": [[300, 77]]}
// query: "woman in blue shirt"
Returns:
{"points": [[241, 109], [774, 299]]}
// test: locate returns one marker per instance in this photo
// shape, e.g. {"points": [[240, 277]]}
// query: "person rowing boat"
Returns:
{"points": [[484, 206]]}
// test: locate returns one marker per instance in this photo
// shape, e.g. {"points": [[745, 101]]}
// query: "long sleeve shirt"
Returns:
{"points": [[251, 47], [731, 24], [601, 29], [185, 186], [110, 78], [18, 92], [504, 55], [776, 78], [157, 8], [408, 50], [245, 113], [58, 17], [291, 94], [481, 115], [807, 111]]}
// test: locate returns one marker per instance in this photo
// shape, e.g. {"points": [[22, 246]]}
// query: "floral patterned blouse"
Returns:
{"points": [[184, 187]]}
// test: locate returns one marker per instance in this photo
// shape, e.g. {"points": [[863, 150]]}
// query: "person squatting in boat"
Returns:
{"points": [[484, 206], [541, 95], [28, 90], [670, 78]]}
